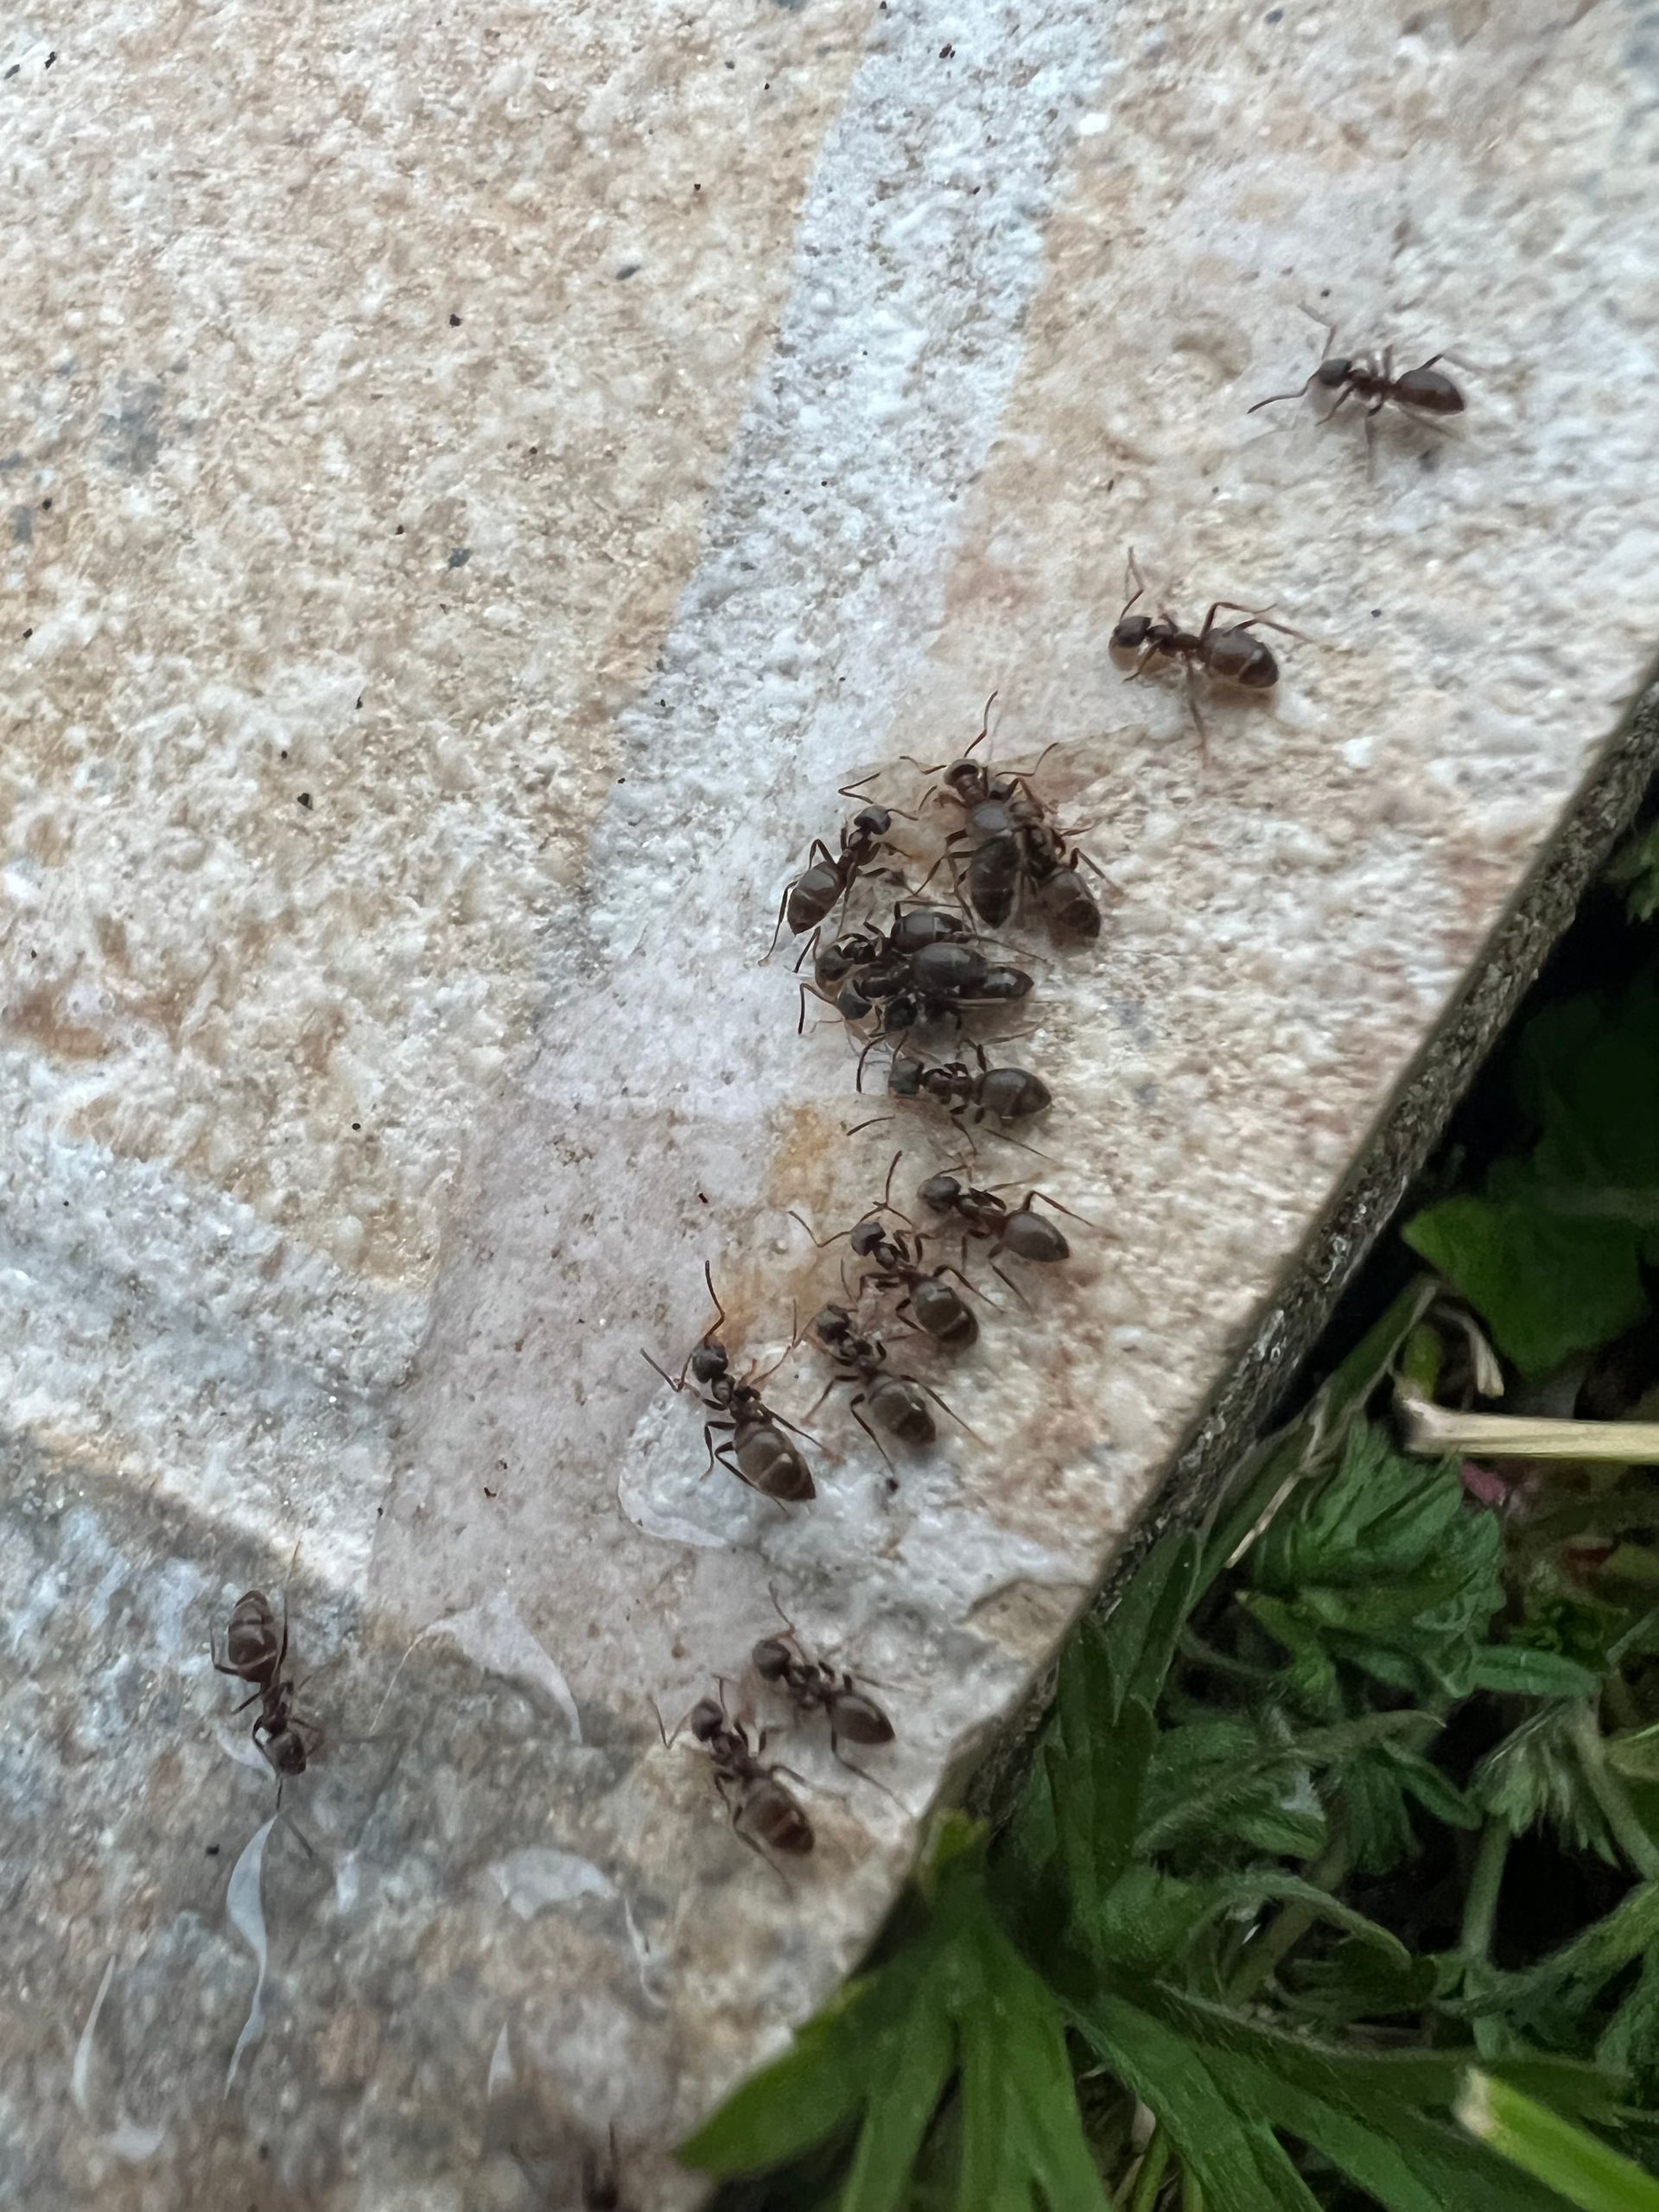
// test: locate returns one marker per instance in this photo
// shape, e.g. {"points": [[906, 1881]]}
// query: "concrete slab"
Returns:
{"points": [[476, 488]]}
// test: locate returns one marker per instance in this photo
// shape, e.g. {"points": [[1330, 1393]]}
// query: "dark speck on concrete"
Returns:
{"points": [[46, 506], [460, 557], [628, 269], [359, 701], [213, 1851], [29, 632], [51, 57], [1274, 15], [17, 65], [454, 322], [134, 431], [305, 801], [22, 526]]}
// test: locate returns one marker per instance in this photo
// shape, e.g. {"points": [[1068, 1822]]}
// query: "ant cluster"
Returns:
{"points": [[909, 963], [910, 960]]}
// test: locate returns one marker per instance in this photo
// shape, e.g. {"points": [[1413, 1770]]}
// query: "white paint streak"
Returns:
{"points": [[244, 1908], [532, 1879], [496, 1640], [502, 2071], [81, 2073]]}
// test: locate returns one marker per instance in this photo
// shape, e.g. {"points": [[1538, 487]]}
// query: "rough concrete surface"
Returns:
{"points": [[476, 486]]}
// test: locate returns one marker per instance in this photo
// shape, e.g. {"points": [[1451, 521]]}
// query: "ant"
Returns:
{"points": [[828, 877], [1229, 655], [761, 1811], [1005, 1094], [1013, 841], [811, 1686], [255, 1654], [934, 1308], [1018, 1231], [896, 1400], [1031, 851], [1423, 391], [756, 1450]]}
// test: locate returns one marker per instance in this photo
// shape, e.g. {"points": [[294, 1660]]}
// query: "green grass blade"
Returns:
{"points": [[917, 2059], [1578, 2166]]}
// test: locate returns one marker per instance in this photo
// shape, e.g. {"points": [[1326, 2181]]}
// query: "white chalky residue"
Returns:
{"points": [[244, 1908]]}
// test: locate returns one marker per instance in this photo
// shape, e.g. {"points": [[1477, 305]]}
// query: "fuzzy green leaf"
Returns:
{"points": [[1546, 1286], [1235, 2158], [1516, 1670]]}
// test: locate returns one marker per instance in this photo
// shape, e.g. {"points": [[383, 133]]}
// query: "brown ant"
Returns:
{"points": [[1423, 391], [255, 1654], [764, 1814], [896, 1400], [1017, 1230], [811, 1686], [828, 877], [1230, 655], [933, 1307], [756, 1450]]}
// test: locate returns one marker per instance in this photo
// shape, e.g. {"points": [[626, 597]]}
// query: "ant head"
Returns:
{"points": [[905, 1076], [710, 1362], [852, 1002], [867, 1238], [1132, 632], [707, 1719], [964, 775], [940, 1192], [285, 1750], [872, 821], [772, 1658], [1333, 373]]}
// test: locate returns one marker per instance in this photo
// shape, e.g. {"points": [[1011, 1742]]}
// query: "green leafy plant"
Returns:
{"points": [[1550, 1251], [1263, 1931]]}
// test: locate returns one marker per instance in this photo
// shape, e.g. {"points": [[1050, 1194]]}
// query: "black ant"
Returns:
{"points": [[1230, 655], [932, 1305], [828, 877], [255, 1654], [896, 1400], [1005, 1094], [762, 1812], [1424, 391], [811, 1686], [1018, 1231], [1013, 841], [756, 1450]]}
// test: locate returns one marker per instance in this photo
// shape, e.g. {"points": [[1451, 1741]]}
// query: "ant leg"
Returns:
{"points": [[949, 1408], [821, 1242], [783, 908], [1013, 1286], [984, 727], [972, 1288], [663, 1371], [812, 946], [246, 1701], [863, 1773], [1132, 575], [853, 1407], [874, 1122], [1275, 398], [1198, 719]]}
